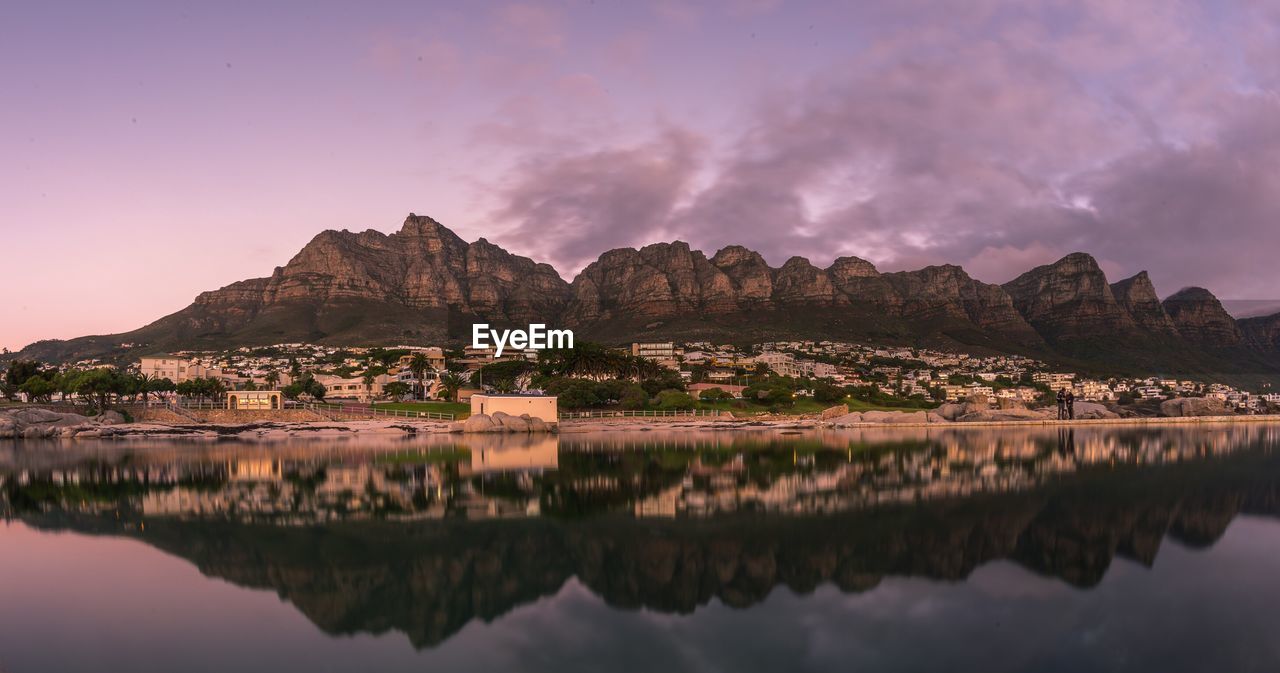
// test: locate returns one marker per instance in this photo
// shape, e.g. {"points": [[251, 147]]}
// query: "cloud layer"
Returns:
{"points": [[994, 134]]}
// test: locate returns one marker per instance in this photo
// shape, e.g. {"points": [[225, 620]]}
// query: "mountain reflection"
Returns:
{"points": [[421, 536]]}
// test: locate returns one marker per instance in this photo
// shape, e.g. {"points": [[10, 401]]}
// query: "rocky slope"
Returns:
{"points": [[1137, 296], [1200, 318], [1069, 299], [424, 284]]}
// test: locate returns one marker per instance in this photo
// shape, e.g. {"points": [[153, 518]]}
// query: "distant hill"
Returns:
{"points": [[425, 285]]}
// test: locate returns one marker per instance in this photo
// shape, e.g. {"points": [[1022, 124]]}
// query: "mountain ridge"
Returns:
{"points": [[424, 285]]}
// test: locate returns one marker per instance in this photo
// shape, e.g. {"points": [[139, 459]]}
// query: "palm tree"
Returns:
{"points": [[369, 377], [143, 383], [450, 384], [418, 364], [272, 378]]}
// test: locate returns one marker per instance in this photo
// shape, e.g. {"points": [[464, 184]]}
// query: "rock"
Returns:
{"points": [[950, 411], [109, 418], [479, 423], [502, 422], [1261, 332], [1092, 410], [937, 418], [1195, 406], [847, 419], [895, 417], [833, 412], [1000, 415], [947, 292], [511, 423], [1070, 299], [1137, 296], [1200, 318]]}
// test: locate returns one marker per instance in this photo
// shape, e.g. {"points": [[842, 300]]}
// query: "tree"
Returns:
{"points": [[272, 379], [714, 395], [505, 376], [142, 384], [159, 386], [418, 364], [315, 389], [827, 393], [368, 378], [396, 390], [38, 389], [66, 383], [450, 384], [633, 397], [97, 386], [675, 400]]}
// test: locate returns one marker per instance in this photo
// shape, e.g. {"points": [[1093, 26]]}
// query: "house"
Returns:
{"points": [[537, 406], [434, 355], [165, 366]]}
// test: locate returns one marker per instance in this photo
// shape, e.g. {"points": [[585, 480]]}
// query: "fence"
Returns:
{"points": [[639, 413], [366, 411]]}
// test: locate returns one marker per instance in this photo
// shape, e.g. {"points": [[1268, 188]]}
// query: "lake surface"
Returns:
{"points": [[900, 550]]}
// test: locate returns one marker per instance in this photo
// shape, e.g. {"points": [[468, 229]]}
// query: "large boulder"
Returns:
{"points": [[510, 423], [1195, 406], [834, 412], [935, 417], [1092, 410], [895, 417], [950, 411], [502, 422], [109, 418], [1002, 415], [39, 423], [479, 423], [847, 419]]}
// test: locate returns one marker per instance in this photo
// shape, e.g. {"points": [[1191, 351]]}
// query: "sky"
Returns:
{"points": [[152, 151]]}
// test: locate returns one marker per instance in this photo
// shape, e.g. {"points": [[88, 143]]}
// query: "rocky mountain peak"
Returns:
{"points": [[845, 268], [1137, 296], [1200, 318], [1069, 299]]}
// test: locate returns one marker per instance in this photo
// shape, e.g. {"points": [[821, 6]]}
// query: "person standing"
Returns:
{"points": [[1062, 404], [1071, 405]]}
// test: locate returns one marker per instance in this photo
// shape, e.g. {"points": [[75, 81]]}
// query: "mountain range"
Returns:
{"points": [[425, 285]]}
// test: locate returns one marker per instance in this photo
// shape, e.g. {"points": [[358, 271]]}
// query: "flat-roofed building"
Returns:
{"points": [[661, 352], [165, 366], [537, 406], [255, 399]]}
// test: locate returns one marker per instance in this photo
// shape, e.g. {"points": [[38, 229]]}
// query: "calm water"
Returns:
{"points": [[976, 549]]}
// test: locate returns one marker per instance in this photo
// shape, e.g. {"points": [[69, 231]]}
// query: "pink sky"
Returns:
{"points": [[154, 150]]}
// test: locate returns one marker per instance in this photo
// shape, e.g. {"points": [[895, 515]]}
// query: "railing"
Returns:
{"points": [[366, 411], [639, 413]]}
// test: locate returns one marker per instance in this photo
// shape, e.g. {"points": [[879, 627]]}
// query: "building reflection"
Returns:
{"points": [[663, 475]]}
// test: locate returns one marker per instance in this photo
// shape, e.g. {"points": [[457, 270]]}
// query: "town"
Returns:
{"points": [[782, 377]]}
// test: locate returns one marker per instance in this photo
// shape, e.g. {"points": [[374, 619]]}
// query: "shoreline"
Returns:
{"points": [[268, 430]]}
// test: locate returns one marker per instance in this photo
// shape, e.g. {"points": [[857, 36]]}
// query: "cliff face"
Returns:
{"points": [[1137, 296], [1200, 318], [424, 284], [1069, 299], [405, 284], [1262, 333], [948, 292]]}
